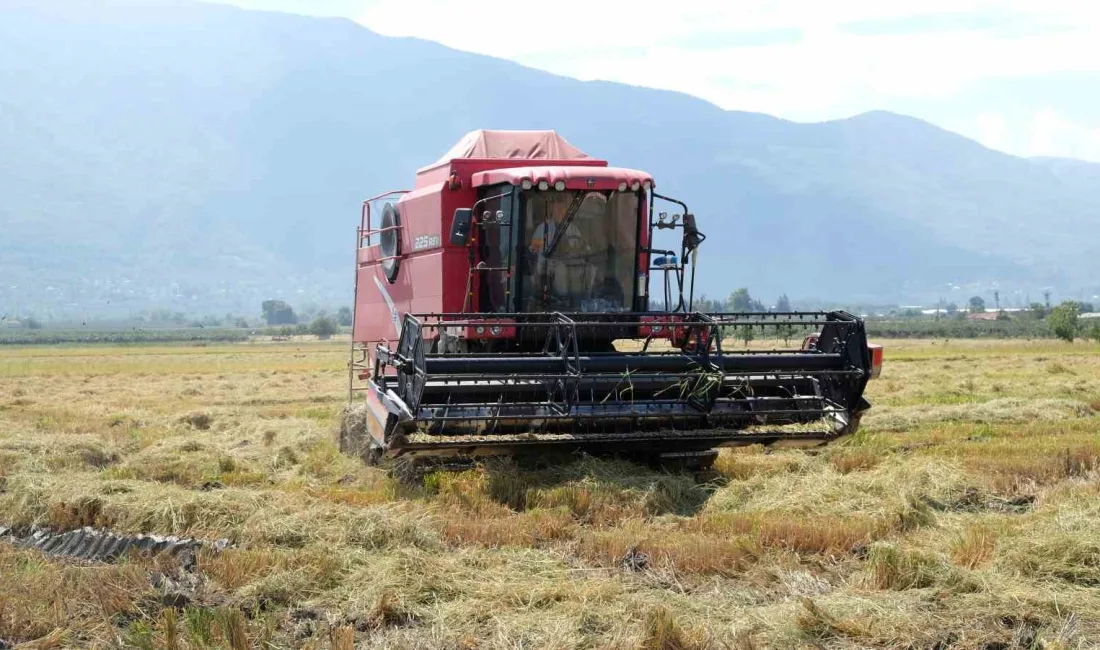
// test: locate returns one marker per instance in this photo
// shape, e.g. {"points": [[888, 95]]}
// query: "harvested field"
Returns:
{"points": [[966, 514]]}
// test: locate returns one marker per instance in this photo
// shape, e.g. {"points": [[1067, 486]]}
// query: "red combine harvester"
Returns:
{"points": [[504, 305]]}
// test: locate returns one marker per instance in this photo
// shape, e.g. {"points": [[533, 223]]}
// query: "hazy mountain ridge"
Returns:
{"points": [[201, 149]]}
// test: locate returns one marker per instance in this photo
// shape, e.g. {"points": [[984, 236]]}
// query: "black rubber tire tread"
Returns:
{"points": [[391, 217]]}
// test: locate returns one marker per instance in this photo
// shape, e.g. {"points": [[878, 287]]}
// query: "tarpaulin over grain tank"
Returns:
{"points": [[519, 145]]}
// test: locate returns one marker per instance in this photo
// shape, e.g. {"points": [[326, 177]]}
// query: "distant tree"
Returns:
{"points": [[951, 308], [1063, 320], [911, 313], [1039, 310], [1094, 332], [1002, 315], [1087, 307], [277, 312], [343, 316], [783, 304], [740, 300], [32, 323], [706, 305], [323, 327], [977, 305], [240, 322]]}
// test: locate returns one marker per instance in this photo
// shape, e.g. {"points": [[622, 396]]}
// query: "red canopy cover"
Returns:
{"points": [[528, 145]]}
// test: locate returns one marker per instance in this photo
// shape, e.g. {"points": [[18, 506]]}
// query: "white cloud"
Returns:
{"points": [[799, 59], [993, 130], [1052, 134], [819, 76]]}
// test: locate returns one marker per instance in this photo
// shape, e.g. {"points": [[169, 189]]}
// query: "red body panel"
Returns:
{"points": [[433, 275], [465, 168], [575, 177]]}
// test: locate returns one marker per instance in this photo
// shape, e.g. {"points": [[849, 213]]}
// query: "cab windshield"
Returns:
{"points": [[579, 250]]}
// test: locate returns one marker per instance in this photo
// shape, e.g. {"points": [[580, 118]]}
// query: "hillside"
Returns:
{"points": [[204, 156]]}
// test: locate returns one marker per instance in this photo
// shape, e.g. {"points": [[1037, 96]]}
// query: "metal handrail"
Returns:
{"points": [[365, 214]]}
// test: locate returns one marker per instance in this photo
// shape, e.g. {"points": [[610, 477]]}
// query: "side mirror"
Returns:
{"points": [[460, 227]]}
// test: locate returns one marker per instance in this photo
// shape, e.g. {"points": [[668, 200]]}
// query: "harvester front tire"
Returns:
{"points": [[697, 462], [853, 424], [373, 456]]}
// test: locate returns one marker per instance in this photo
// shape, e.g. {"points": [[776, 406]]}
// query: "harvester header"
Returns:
{"points": [[504, 305]]}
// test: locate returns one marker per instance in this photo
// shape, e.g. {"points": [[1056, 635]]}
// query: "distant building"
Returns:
{"points": [[1091, 314], [985, 315], [989, 310]]}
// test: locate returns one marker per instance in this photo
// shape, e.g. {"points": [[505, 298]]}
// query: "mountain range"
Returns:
{"points": [[204, 158]]}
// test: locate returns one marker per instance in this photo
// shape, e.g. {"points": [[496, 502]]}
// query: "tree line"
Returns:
{"points": [[278, 313]]}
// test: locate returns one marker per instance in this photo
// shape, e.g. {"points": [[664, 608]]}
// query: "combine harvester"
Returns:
{"points": [[503, 306]]}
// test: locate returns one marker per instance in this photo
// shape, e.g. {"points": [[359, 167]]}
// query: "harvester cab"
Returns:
{"points": [[504, 305]]}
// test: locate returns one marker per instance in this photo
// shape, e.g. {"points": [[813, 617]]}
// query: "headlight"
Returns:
{"points": [[657, 329], [480, 329], [635, 186], [559, 186], [543, 185], [526, 184], [495, 330]]}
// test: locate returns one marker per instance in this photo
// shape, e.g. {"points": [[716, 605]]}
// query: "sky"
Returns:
{"points": [[1022, 76]]}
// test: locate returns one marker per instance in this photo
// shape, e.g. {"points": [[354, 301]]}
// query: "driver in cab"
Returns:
{"points": [[562, 272]]}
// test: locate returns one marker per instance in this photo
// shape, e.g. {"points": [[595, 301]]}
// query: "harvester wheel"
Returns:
{"points": [[697, 462], [373, 456], [853, 423]]}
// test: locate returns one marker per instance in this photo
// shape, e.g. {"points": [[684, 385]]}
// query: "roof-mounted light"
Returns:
{"points": [[648, 185], [526, 184], [622, 186], [559, 186], [635, 186], [543, 185]]}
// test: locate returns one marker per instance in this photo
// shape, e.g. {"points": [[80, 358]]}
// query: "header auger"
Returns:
{"points": [[503, 306]]}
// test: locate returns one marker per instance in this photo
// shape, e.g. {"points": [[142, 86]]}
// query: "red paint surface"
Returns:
{"points": [[435, 279], [576, 178]]}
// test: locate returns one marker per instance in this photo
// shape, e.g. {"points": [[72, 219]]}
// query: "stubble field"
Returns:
{"points": [[966, 514]]}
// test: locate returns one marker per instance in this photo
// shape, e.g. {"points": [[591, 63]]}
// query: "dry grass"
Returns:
{"points": [[803, 535], [974, 547], [533, 529], [964, 516], [39, 597], [662, 632], [822, 626], [670, 550], [890, 567]]}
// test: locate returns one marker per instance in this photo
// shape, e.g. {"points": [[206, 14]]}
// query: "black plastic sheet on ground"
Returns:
{"points": [[104, 546]]}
